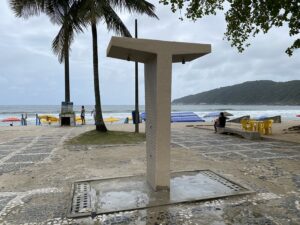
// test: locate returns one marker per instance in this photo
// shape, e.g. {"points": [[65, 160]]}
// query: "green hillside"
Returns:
{"points": [[263, 92]]}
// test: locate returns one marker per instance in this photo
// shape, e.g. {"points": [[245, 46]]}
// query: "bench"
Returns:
{"points": [[251, 135]]}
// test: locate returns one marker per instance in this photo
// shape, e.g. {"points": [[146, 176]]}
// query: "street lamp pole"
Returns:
{"points": [[136, 87]]}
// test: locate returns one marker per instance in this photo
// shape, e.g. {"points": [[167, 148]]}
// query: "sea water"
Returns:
{"points": [[123, 111]]}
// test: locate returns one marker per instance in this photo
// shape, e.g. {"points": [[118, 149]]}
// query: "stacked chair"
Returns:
{"points": [[263, 127]]}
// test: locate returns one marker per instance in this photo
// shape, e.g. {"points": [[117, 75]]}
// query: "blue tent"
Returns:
{"points": [[180, 117]]}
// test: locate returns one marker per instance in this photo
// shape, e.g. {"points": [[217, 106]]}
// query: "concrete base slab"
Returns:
{"points": [[130, 193]]}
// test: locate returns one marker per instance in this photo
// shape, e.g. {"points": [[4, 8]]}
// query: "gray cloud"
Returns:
{"points": [[31, 74]]}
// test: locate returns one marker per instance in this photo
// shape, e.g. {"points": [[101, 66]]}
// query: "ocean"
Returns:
{"points": [[123, 111]]}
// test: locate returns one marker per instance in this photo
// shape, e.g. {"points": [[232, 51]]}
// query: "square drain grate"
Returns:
{"points": [[132, 193], [81, 199]]}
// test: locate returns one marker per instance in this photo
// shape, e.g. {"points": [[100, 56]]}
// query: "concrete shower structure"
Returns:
{"points": [[158, 57]]}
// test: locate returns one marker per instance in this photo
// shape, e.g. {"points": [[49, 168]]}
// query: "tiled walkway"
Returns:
{"points": [[263, 208], [25, 151], [217, 147]]}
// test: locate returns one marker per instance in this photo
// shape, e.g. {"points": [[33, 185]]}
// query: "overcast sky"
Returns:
{"points": [[30, 72]]}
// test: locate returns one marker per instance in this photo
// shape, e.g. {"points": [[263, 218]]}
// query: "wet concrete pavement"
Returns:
{"points": [[270, 168]]}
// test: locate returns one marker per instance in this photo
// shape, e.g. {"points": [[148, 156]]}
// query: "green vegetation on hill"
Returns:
{"points": [[263, 92]]}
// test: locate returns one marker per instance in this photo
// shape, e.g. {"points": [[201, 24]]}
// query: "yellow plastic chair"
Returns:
{"points": [[267, 127], [252, 125], [245, 125], [260, 127]]}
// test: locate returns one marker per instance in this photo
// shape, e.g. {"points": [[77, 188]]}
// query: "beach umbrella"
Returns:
{"points": [[11, 119], [217, 114], [111, 119]]}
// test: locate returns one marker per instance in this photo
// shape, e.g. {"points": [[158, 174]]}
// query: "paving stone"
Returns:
{"points": [[257, 154], [224, 156], [232, 147], [28, 158], [192, 143], [208, 149], [6, 168], [5, 200], [40, 208], [284, 144], [5, 152], [38, 150], [215, 142], [283, 152], [8, 147], [296, 180], [257, 146]]}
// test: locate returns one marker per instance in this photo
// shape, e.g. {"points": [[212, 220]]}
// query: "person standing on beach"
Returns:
{"points": [[25, 119], [93, 113], [22, 120], [82, 115], [37, 120]]}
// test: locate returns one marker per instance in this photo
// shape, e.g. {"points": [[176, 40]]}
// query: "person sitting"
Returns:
{"points": [[126, 120], [220, 122]]}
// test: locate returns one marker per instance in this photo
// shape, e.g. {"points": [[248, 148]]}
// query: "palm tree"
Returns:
{"points": [[93, 11], [74, 15], [59, 12]]}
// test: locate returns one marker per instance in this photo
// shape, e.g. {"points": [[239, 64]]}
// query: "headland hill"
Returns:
{"points": [[261, 92]]}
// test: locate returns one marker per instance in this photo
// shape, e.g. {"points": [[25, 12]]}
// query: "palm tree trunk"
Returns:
{"points": [[67, 75], [100, 125]]}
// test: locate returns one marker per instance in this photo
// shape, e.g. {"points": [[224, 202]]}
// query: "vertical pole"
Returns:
{"points": [[136, 87]]}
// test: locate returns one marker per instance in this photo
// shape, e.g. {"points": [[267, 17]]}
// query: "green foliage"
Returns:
{"points": [[108, 138], [246, 18], [249, 93], [74, 16]]}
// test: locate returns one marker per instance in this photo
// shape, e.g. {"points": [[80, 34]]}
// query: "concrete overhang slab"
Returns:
{"points": [[142, 50]]}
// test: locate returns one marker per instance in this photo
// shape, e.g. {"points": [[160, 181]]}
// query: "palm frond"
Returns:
{"points": [[138, 6], [113, 21], [27, 8], [62, 41]]}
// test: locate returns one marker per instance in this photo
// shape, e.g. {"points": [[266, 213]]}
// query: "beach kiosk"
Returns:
{"points": [[158, 57]]}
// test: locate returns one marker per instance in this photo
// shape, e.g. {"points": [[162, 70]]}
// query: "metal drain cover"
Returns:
{"points": [[131, 193], [81, 203]]}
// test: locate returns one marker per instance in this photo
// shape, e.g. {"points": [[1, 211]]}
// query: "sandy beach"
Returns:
{"points": [[37, 170], [279, 130]]}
